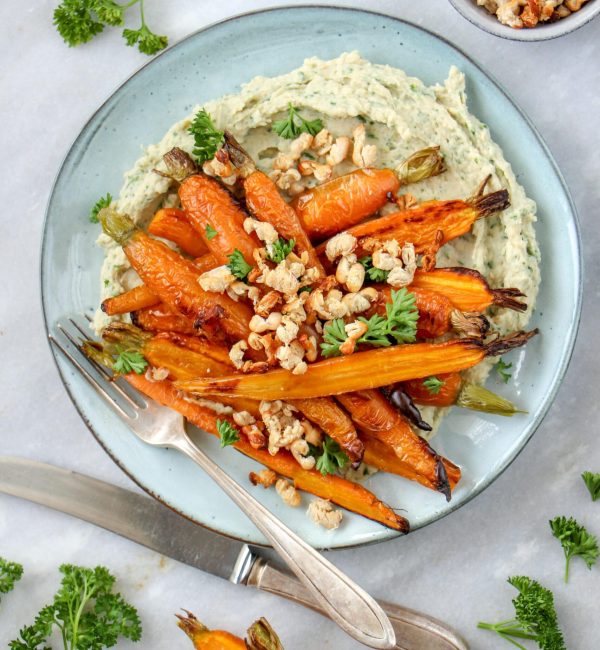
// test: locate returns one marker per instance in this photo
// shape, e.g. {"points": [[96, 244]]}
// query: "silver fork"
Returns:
{"points": [[345, 602]]}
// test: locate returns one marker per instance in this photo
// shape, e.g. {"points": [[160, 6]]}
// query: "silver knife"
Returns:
{"points": [[148, 522]]}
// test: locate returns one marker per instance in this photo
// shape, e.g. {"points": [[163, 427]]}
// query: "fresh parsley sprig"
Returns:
{"points": [[85, 611], [399, 324], [576, 541], [78, 21], [207, 138], [535, 617], [294, 124], [238, 265], [329, 457], [502, 369], [281, 249], [592, 482], [227, 432], [10, 572], [130, 361], [433, 385], [101, 203], [372, 273]]}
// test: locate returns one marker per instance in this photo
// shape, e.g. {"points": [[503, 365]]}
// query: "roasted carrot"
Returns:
{"points": [[468, 290], [205, 639], [325, 413], [420, 225], [132, 300], [207, 347], [160, 318], [173, 224], [175, 280], [338, 490], [345, 201], [206, 262], [212, 209], [376, 417], [359, 371], [446, 395]]}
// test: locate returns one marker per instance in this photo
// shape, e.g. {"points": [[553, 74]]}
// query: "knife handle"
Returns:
{"points": [[414, 630]]}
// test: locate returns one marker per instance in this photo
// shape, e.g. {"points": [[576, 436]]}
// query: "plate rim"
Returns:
{"points": [[574, 325]]}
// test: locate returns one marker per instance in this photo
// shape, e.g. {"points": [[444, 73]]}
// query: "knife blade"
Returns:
{"points": [[148, 522]]}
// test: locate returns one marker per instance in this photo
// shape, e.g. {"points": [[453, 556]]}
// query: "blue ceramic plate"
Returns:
{"points": [[215, 61]]}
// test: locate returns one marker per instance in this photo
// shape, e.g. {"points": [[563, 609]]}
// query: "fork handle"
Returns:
{"points": [[357, 613]]}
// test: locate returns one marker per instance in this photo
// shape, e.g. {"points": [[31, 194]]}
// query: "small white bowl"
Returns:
{"points": [[544, 31]]}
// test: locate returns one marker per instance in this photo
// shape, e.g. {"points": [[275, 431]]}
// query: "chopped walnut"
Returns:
{"points": [[341, 244], [156, 374], [402, 276], [323, 514], [290, 356], [267, 303], [287, 331], [300, 449], [354, 331], [356, 303], [313, 168], [312, 434], [266, 478], [288, 493], [339, 151], [217, 280], [363, 155], [243, 418], [283, 428], [301, 144], [236, 354], [309, 343], [287, 179], [255, 436], [282, 279], [264, 231], [259, 324]]}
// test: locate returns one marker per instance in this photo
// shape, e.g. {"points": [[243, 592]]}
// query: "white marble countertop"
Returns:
{"points": [[455, 569]]}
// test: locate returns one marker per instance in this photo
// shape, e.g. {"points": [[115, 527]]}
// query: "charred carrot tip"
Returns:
{"points": [[489, 204], [507, 298], [507, 343]]}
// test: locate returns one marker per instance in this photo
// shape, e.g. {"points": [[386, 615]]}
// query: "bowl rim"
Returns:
{"points": [[486, 21], [575, 322]]}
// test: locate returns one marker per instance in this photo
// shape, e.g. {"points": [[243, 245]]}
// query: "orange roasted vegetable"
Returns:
{"points": [[446, 396], [325, 413], [209, 205], [160, 318], [206, 262], [359, 371], [205, 639], [377, 418], [345, 201], [175, 280], [467, 289], [132, 300], [335, 488], [420, 225], [173, 224]]}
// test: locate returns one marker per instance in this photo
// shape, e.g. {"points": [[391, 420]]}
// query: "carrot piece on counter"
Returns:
{"points": [[467, 289], [345, 201], [173, 224], [210, 206], [266, 203], [205, 639], [420, 225], [338, 490], [132, 300], [175, 280], [376, 417], [446, 396], [326, 414]]}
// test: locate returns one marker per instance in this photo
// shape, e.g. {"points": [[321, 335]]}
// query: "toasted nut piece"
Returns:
{"points": [[283, 162], [290, 356], [363, 155], [288, 178], [339, 151], [217, 280], [295, 188], [282, 279], [383, 260], [322, 142], [236, 354], [264, 231], [354, 331], [288, 493], [309, 343], [323, 514], [299, 449], [312, 434], [243, 418], [287, 331], [356, 303], [260, 324], [301, 144], [255, 436], [318, 170], [370, 293], [300, 368], [356, 277], [343, 268], [341, 244], [266, 478], [267, 302]]}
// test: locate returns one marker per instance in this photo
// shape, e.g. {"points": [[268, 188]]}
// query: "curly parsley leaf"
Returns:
{"points": [[210, 232], [238, 265], [10, 572], [85, 611], [433, 385], [535, 617], [329, 457], [399, 324], [375, 275], [281, 249], [576, 541], [502, 368], [130, 361], [592, 482], [227, 432], [102, 202], [207, 138], [78, 21], [294, 124]]}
